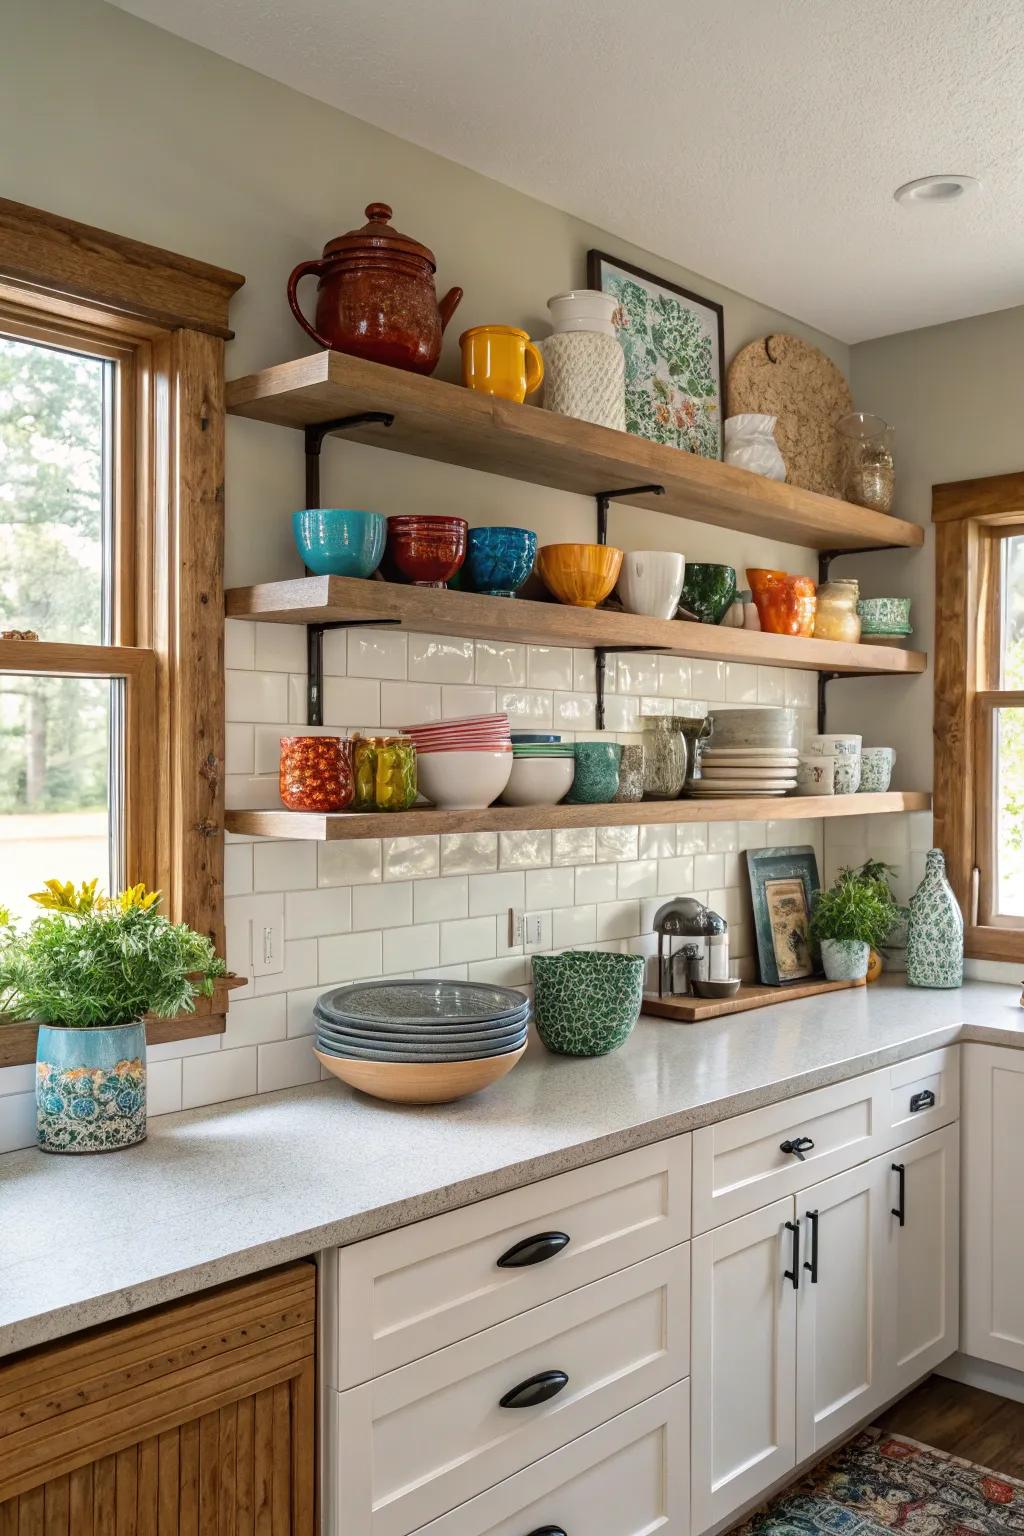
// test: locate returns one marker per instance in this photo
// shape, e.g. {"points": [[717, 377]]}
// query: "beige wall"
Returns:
{"points": [[124, 126]]}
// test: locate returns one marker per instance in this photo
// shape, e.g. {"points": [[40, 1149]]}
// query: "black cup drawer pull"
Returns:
{"points": [[536, 1389], [534, 1250], [797, 1147], [923, 1100]]}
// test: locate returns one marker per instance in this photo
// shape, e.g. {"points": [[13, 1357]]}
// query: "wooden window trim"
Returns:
{"points": [[971, 519], [164, 317]]}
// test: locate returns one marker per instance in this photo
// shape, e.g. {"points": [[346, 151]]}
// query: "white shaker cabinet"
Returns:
{"points": [[743, 1360], [923, 1258], [993, 1196]]}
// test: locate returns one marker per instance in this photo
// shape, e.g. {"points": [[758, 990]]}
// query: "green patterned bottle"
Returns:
{"points": [[935, 936]]}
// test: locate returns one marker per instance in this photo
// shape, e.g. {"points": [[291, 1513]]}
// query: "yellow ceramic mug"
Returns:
{"points": [[500, 360]]}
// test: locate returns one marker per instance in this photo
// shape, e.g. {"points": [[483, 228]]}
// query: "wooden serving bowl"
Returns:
{"points": [[420, 1082]]}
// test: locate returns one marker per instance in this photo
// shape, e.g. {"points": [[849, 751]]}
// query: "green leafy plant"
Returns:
{"points": [[91, 960], [857, 907]]}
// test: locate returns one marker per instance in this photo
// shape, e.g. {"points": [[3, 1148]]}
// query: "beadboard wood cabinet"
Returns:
{"points": [[193, 1419]]}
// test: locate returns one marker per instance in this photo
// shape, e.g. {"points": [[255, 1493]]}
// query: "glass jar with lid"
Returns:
{"points": [[836, 616], [869, 478], [665, 758]]}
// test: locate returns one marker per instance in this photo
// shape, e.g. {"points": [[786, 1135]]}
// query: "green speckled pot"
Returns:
{"points": [[844, 959], [586, 1002], [708, 591], [596, 780]]}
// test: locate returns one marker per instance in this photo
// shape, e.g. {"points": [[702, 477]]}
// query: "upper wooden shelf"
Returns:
{"points": [[345, 599], [321, 827], [435, 420]]}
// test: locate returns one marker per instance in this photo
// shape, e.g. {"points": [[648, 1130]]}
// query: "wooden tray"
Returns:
{"points": [[689, 1010]]}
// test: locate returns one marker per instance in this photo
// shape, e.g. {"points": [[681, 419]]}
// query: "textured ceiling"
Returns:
{"points": [[756, 141]]}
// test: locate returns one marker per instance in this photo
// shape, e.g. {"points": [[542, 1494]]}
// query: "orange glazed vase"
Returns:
{"points": [[316, 773], [786, 605]]}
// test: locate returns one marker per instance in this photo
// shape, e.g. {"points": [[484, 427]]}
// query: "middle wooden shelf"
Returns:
{"points": [[348, 600]]}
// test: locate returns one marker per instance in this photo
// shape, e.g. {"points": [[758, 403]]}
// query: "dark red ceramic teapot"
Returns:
{"points": [[376, 296]]}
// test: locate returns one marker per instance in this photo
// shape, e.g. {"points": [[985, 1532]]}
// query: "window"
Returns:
{"points": [[979, 706], [111, 552]]}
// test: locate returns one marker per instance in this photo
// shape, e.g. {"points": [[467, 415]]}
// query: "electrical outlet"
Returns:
{"points": [[255, 935], [533, 930], [516, 928]]}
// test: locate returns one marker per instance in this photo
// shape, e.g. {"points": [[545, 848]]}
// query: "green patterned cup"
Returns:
{"points": [[596, 780], [586, 1001]]}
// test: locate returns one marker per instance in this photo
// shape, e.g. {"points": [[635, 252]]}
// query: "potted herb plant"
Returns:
{"points": [[849, 920], [89, 968]]}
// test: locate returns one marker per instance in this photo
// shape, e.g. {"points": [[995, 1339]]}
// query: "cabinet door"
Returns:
{"points": [[924, 1253], [743, 1361], [993, 1249], [842, 1308]]}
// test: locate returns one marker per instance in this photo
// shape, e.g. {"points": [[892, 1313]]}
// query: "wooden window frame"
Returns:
{"points": [[972, 518], [163, 317]]}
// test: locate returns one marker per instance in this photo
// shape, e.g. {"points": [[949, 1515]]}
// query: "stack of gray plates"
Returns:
{"points": [[421, 1021]]}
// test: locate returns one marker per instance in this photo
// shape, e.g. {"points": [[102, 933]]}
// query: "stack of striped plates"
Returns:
{"points": [[739, 772], [470, 733]]}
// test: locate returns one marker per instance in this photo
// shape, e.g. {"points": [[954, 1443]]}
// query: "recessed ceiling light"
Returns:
{"points": [[936, 189]]}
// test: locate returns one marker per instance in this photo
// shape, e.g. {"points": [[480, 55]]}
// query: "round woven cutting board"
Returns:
{"points": [[785, 377]]}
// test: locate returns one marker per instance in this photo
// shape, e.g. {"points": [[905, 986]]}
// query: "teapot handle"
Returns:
{"points": [[448, 305], [305, 269]]}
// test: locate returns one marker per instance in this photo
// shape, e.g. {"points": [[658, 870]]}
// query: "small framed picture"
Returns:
{"points": [[783, 883], [674, 346]]}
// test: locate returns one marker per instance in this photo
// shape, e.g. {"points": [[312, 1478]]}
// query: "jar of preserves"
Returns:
{"points": [[315, 773], [836, 616], [385, 773], [665, 758], [785, 604]]}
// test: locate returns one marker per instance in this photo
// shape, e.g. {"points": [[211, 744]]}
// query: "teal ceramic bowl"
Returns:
{"points": [[596, 778], [708, 592], [585, 1003], [339, 541]]}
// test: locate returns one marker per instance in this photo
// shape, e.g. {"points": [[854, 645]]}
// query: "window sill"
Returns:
{"points": [[991, 943], [18, 1040]]}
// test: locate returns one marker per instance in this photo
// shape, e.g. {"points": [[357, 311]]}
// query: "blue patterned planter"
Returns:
{"points": [[90, 1088]]}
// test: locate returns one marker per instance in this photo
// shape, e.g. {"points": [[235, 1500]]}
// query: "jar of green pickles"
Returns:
{"points": [[385, 773]]}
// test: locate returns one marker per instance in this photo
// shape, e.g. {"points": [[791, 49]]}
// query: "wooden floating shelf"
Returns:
{"points": [[435, 420], [346, 599], [345, 825]]}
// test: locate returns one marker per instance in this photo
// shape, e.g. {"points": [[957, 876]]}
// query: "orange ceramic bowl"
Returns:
{"points": [[581, 575]]}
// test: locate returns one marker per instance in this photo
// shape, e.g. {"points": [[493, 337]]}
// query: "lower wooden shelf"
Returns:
{"points": [[322, 827]]}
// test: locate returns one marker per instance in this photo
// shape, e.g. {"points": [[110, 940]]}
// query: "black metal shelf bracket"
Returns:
{"points": [[825, 558], [604, 500], [315, 660], [315, 435]]}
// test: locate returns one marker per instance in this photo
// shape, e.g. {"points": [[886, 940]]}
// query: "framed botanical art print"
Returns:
{"points": [[783, 883], [674, 345]]}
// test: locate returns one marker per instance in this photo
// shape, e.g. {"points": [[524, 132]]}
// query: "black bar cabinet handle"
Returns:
{"points": [[548, 1530], [536, 1389], [798, 1146], [899, 1210], [811, 1264], [794, 1273], [923, 1100], [534, 1250]]}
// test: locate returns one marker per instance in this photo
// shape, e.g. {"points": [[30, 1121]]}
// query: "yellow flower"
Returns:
{"points": [[61, 896], [137, 896]]}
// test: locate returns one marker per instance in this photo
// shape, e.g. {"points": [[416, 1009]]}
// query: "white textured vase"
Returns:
{"points": [[585, 377]]}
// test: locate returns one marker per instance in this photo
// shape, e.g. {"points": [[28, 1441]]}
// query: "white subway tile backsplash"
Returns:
{"points": [[239, 644], [549, 666], [239, 748], [255, 1020], [355, 863], [584, 670], [468, 853], [524, 850], [439, 900], [674, 676], [404, 704], [500, 666], [163, 1086], [675, 876], [377, 653], [299, 969], [286, 1064], [622, 712], [573, 845], [17, 1121], [457, 701], [618, 920], [595, 882], [280, 647], [351, 701], [638, 877], [740, 683], [255, 696], [617, 843], [411, 858], [657, 842], [572, 926], [527, 709], [494, 894], [708, 869], [315, 914], [636, 672], [438, 659], [511, 971], [238, 869], [574, 712], [707, 680], [284, 866], [382, 906], [300, 1010], [547, 888], [222, 1075], [349, 957], [771, 685], [471, 938], [723, 837], [336, 653], [691, 837], [410, 949]]}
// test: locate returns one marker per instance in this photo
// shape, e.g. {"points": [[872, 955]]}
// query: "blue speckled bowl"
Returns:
{"points": [[498, 560], [339, 541]]}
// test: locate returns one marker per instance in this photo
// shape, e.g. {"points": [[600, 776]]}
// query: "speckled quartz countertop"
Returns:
{"points": [[218, 1193]]}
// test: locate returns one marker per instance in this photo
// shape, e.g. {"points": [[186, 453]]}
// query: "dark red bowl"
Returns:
{"points": [[427, 550]]}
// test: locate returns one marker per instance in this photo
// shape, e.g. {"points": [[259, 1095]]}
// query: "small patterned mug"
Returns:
{"points": [[815, 775], [876, 765]]}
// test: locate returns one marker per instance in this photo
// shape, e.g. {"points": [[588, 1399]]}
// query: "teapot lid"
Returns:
{"points": [[377, 237]]}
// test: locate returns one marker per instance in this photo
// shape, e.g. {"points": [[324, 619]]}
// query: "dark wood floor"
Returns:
{"points": [[982, 1428]]}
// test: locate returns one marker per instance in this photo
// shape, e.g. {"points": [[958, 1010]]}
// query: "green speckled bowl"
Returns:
{"points": [[586, 1001], [708, 592]]}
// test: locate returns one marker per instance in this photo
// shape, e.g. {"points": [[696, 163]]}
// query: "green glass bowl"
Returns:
{"points": [[708, 592], [586, 1001]]}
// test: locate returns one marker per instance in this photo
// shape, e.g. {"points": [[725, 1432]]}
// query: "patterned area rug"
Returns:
{"points": [[881, 1482]]}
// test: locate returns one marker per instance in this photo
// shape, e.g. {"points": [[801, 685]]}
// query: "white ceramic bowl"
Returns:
{"points": [[651, 582], [539, 780], [462, 781]]}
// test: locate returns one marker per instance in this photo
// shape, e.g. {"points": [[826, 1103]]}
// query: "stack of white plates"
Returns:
{"points": [[761, 772]]}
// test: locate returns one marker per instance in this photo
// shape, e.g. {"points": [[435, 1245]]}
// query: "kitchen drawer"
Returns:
{"points": [[397, 1297], [404, 1448], [924, 1095], [739, 1164], [629, 1477]]}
